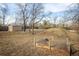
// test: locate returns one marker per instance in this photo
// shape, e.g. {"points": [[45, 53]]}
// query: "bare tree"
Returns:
{"points": [[31, 14], [55, 18], [36, 15], [49, 15], [75, 15], [23, 14], [4, 12], [46, 24]]}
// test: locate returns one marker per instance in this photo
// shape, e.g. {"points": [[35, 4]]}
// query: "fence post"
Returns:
{"points": [[50, 45], [53, 40], [68, 45], [34, 43]]}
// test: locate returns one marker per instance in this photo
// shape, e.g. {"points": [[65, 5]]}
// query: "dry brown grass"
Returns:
{"points": [[21, 43]]}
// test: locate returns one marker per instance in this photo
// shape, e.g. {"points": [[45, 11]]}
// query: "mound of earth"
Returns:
{"points": [[56, 32]]}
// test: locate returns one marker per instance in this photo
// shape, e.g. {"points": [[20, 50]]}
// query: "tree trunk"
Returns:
{"points": [[3, 19], [24, 26], [33, 28]]}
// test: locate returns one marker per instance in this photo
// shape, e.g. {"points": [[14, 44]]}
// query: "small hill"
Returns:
{"points": [[56, 32]]}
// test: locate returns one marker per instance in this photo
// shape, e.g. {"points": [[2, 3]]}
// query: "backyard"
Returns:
{"points": [[22, 43]]}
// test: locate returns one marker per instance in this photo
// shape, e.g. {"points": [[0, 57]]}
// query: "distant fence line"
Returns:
{"points": [[20, 28], [3, 28], [16, 28]]}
